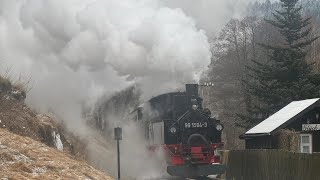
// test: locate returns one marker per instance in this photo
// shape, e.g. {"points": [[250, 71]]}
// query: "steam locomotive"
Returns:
{"points": [[190, 138]]}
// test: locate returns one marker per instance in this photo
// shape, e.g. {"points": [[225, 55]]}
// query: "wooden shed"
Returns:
{"points": [[296, 127]]}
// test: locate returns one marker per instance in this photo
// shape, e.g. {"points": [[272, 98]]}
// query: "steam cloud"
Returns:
{"points": [[77, 50]]}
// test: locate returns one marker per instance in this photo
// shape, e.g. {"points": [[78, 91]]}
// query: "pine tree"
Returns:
{"points": [[286, 76]]}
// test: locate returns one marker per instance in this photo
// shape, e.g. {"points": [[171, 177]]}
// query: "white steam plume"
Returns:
{"points": [[76, 50], [212, 15]]}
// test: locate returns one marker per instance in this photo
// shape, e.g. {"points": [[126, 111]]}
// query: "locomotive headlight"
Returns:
{"points": [[173, 130], [194, 107], [219, 127]]}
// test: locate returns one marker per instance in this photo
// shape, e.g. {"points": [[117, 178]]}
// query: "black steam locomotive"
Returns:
{"points": [[186, 132]]}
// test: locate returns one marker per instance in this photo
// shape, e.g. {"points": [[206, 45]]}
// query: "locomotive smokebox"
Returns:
{"points": [[192, 89]]}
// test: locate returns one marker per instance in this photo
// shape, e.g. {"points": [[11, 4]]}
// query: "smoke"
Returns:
{"points": [[212, 15], [136, 161], [76, 50]]}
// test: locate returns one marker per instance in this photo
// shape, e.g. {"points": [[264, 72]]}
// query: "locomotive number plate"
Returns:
{"points": [[196, 125]]}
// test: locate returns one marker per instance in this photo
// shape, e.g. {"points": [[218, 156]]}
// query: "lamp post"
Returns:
{"points": [[118, 137], [207, 84]]}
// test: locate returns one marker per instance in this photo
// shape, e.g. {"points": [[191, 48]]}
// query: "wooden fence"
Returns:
{"points": [[271, 165]]}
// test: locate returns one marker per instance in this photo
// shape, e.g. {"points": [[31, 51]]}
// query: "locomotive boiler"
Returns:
{"points": [[190, 138]]}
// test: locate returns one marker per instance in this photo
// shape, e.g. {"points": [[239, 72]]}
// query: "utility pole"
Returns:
{"points": [[118, 137]]}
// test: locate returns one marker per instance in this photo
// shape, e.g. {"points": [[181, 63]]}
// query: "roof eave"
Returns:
{"points": [[246, 136]]}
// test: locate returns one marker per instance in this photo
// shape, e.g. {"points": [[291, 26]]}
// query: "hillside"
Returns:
{"points": [[25, 158], [16, 117], [36, 146]]}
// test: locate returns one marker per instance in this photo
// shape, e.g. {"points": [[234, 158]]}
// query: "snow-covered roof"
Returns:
{"points": [[281, 117]]}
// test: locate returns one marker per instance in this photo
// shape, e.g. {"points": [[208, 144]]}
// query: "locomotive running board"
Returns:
{"points": [[196, 170]]}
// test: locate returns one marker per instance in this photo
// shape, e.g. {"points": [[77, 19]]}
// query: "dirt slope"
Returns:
{"points": [[25, 158], [17, 117], [36, 146]]}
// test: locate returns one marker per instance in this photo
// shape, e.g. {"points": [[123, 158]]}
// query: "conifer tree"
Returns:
{"points": [[286, 76]]}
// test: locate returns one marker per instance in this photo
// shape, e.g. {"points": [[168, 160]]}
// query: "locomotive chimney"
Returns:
{"points": [[192, 89]]}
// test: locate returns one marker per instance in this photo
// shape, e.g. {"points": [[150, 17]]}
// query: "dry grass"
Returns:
{"points": [[5, 84], [16, 117], [9, 84], [24, 158]]}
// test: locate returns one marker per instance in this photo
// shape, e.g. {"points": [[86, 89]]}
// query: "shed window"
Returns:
{"points": [[305, 139], [306, 143]]}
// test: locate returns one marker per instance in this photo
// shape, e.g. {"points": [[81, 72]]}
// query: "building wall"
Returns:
{"points": [[316, 141], [284, 140], [263, 142]]}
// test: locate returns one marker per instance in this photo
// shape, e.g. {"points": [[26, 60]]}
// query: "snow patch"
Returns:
{"points": [[39, 170], [21, 158], [57, 141]]}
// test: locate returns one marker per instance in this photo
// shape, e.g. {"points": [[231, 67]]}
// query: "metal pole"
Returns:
{"points": [[118, 137], [118, 152]]}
